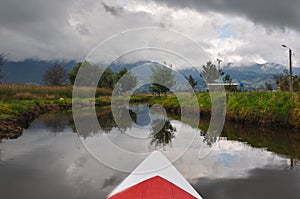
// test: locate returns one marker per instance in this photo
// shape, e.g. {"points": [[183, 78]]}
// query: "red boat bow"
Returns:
{"points": [[156, 187], [155, 178]]}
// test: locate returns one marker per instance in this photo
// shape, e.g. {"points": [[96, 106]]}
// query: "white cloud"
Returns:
{"points": [[70, 30]]}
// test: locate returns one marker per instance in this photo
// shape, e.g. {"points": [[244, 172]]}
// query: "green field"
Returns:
{"points": [[17, 99], [264, 108]]}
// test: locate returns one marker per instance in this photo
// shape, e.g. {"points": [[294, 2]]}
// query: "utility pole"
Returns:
{"points": [[290, 63], [291, 72]]}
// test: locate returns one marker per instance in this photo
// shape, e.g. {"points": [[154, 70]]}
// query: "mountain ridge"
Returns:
{"points": [[252, 75]]}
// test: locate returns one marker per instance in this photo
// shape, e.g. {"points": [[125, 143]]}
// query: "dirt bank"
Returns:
{"points": [[13, 126]]}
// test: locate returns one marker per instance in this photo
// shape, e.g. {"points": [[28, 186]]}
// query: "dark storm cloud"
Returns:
{"points": [[34, 19], [36, 29], [276, 13], [18, 12], [112, 9]]}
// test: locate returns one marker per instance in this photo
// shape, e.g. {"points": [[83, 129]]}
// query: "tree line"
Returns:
{"points": [[282, 81], [57, 75], [162, 76]]}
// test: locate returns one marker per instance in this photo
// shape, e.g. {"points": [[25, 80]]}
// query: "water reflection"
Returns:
{"points": [[279, 140], [228, 154], [106, 121], [124, 122], [241, 163], [142, 114], [161, 130], [112, 180], [260, 184], [210, 138], [56, 124], [160, 137]]}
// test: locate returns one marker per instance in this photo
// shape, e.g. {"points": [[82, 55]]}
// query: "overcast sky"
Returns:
{"points": [[238, 31]]}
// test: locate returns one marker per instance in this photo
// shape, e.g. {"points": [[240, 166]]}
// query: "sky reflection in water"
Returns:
{"points": [[48, 161]]}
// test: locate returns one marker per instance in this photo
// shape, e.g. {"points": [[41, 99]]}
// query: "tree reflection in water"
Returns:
{"points": [[293, 163], [210, 137], [162, 133], [106, 121], [56, 124], [124, 122]]}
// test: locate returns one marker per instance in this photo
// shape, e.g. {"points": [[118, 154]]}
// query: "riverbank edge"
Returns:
{"points": [[278, 109], [12, 126], [293, 120]]}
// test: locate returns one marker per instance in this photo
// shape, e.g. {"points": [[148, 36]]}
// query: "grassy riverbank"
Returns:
{"points": [[30, 92], [17, 99], [262, 108], [278, 108], [21, 104]]}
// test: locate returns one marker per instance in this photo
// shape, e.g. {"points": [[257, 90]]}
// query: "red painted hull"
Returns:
{"points": [[155, 178], [154, 188]]}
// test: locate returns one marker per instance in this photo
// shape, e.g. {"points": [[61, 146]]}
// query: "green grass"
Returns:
{"points": [[16, 99], [279, 108], [29, 92], [13, 107], [276, 108], [262, 106]]}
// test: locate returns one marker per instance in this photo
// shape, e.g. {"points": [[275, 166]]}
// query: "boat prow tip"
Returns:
{"points": [[155, 171]]}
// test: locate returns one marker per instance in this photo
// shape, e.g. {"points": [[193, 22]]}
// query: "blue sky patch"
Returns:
{"points": [[226, 159], [225, 31]]}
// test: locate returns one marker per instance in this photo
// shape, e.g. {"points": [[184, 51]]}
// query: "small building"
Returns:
{"points": [[228, 86]]}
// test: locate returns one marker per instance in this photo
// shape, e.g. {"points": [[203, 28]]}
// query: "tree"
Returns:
{"points": [[127, 82], [283, 82], [73, 73], [118, 75], [106, 79], [56, 75], [87, 76], [162, 78], [227, 79], [125, 79], [210, 72], [1, 63], [228, 83], [192, 81], [268, 85], [160, 137], [280, 76]]}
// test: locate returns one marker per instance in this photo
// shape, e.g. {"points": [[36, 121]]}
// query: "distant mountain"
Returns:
{"points": [[271, 68], [252, 75], [117, 66], [30, 71], [255, 75]]}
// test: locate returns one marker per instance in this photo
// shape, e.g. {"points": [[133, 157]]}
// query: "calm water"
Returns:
{"points": [[50, 161]]}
